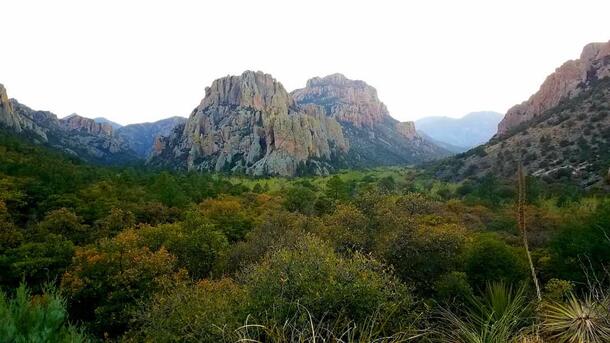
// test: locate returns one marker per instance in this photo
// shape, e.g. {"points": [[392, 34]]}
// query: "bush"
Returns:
{"points": [[421, 256], [489, 259], [206, 311], [330, 287]]}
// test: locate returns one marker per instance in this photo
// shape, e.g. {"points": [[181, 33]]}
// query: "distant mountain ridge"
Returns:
{"points": [[141, 137], [93, 140], [463, 133]]}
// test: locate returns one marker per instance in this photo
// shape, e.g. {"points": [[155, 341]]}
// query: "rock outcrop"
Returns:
{"points": [[250, 124], [375, 137], [82, 124], [346, 100], [566, 82]]}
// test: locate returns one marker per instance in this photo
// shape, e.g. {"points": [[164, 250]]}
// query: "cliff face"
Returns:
{"points": [[375, 137], [82, 124], [566, 82], [250, 124], [346, 100]]}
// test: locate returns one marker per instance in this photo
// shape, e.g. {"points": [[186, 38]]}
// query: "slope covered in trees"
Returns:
{"points": [[143, 255]]}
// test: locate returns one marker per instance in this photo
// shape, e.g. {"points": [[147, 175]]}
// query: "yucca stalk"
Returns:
{"points": [[522, 227]]}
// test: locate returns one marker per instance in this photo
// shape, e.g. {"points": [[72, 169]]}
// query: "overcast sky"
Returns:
{"points": [[135, 61]]}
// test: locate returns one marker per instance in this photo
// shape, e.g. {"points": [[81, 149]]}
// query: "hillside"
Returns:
{"points": [[75, 135], [561, 133]]}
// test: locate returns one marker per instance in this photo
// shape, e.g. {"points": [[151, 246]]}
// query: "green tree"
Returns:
{"points": [[488, 259], [43, 318]]}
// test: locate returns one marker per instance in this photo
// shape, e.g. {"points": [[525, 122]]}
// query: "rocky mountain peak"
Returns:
{"points": [[5, 105], [78, 123], [255, 90], [350, 101], [566, 82]]}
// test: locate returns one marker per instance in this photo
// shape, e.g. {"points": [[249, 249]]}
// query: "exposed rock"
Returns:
{"points": [[102, 120], [566, 82], [375, 137], [76, 122], [344, 99], [407, 129], [250, 124]]}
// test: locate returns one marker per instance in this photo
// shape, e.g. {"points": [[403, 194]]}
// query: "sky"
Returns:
{"points": [[138, 61]]}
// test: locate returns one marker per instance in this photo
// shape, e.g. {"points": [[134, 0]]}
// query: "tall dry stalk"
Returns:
{"points": [[522, 228]]}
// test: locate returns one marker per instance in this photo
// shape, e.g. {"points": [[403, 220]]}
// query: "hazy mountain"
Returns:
{"points": [[251, 124], [561, 132], [140, 137], [103, 120], [463, 133]]}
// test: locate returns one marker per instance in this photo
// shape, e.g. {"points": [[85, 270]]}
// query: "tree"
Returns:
{"points": [[337, 189], [66, 223], [300, 199], [108, 279], [229, 216], [421, 256], [42, 318], [488, 259]]}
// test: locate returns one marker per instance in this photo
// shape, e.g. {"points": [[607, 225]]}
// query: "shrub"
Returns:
{"points": [[330, 287], [489, 259], [206, 311]]}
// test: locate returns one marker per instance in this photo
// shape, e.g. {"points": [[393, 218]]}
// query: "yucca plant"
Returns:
{"points": [[497, 316], [577, 321]]}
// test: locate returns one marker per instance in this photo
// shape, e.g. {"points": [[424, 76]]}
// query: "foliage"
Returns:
{"points": [[106, 279], [488, 259], [576, 320], [357, 256], [497, 316], [330, 287], [36, 318]]}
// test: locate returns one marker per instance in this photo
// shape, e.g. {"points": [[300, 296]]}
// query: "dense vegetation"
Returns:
{"points": [[126, 254]]}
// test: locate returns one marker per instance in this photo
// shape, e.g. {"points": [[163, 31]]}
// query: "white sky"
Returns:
{"points": [[135, 61]]}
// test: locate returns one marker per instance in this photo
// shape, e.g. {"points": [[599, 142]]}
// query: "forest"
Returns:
{"points": [[91, 253]]}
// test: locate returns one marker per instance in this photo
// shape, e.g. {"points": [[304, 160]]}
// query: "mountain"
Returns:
{"points": [[141, 137], [375, 138], [75, 135], [561, 132], [251, 124], [463, 133], [102, 120]]}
